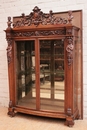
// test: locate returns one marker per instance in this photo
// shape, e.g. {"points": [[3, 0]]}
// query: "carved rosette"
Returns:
{"points": [[69, 49], [9, 50]]}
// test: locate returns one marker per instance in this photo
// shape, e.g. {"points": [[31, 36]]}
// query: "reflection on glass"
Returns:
{"points": [[52, 75], [26, 74]]}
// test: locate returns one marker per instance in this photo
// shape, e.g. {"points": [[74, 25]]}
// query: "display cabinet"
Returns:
{"points": [[42, 58]]}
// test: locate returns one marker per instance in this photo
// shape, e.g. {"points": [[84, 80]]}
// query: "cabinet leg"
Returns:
{"points": [[11, 112], [11, 109], [77, 117], [69, 118], [69, 122]]}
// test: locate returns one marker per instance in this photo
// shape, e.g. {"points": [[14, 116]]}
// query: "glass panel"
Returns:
{"points": [[26, 91], [52, 75]]}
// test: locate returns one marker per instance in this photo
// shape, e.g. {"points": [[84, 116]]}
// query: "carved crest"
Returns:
{"points": [[38, 17]]}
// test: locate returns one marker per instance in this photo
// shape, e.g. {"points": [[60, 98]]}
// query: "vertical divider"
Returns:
{"points": [[37, 69], [52, 70]]}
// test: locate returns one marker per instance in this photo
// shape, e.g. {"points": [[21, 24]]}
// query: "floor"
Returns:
{"points": [[27, 122]]}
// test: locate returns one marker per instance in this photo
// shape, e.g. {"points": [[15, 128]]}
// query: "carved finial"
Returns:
{"points": [[23, 15], [36, 9], [70, 16], [9, 23], [51, 12]]}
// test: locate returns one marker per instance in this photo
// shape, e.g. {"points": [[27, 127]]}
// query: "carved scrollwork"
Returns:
{"points": [[40, 33], [23, 34], [9, 50], [69, 50], [38, 17]]}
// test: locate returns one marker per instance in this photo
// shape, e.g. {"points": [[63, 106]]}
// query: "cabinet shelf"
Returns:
{"points": [[54, 59]]}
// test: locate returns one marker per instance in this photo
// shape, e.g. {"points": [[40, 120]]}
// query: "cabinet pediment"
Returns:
{"points": [[37, 17]]}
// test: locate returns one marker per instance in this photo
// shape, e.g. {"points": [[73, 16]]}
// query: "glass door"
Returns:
{"points": [[25, 74], [52, 87]]}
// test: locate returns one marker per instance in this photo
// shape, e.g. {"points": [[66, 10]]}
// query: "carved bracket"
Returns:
{"points": [[69, 50], [9, 50]]}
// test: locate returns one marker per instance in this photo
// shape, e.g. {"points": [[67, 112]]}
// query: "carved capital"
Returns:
{"points": [[9, 50], [69, 49]]}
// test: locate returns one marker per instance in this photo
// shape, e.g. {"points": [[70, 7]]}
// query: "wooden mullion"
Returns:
{"points": [[37, 70]]}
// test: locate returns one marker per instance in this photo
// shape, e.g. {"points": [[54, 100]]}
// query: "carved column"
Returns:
{"points": [[69, 49], [9, 50], [10, 70], [10, 59]]}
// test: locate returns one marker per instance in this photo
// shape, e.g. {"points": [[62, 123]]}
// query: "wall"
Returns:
{"points": [[16, 8]]}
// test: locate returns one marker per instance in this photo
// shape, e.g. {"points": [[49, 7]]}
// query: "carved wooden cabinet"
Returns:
{"points": [[42, 58]]}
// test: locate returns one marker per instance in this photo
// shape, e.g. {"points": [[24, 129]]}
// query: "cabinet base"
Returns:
{"points": [[69, 119]]}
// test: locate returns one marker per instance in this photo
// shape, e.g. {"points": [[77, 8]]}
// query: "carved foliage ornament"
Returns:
{"points": [[9, 50], [38, 17], [40, 33], [69, 50]]}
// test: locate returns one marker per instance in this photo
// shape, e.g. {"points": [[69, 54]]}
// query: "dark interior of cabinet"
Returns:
{"points": [[51, 77]]}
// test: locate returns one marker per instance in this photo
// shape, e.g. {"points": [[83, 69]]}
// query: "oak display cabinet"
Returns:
{"points": [[42, 58]]}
